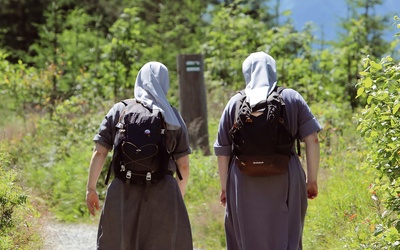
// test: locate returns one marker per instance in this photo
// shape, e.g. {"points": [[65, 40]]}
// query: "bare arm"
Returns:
{"points": [[223, 164], [183, 166], [96, 164], [312, 157]]}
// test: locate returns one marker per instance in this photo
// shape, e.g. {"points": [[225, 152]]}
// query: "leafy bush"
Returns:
{"points": [[56, 161], [379, 124], [17, 230]]}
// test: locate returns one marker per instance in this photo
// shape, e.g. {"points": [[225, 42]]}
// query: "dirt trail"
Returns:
{"points": [[63, 236]]}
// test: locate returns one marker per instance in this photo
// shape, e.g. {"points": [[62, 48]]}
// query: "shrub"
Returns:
{"points": [[17, 228], [379, 124]]}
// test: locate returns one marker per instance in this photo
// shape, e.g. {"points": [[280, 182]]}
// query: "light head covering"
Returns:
{"points": [[259, 71], [151, 88]]}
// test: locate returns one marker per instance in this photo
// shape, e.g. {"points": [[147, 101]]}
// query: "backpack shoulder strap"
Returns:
{"points": [[239, 101], [126, 102], [279, 90]]}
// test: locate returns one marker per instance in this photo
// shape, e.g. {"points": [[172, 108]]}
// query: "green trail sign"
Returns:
{"points": [[193, 66]]}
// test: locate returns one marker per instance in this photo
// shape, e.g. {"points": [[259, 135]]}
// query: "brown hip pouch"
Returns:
{"points": [[254, 165]]}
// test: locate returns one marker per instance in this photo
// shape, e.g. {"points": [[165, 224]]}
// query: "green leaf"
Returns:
{"points": [[376, 66], [369, 99], [374, 133], [360, 91], [396, 108], [368, 82]]}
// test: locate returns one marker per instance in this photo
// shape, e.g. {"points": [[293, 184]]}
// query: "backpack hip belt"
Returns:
{"points": [[253, 165]]}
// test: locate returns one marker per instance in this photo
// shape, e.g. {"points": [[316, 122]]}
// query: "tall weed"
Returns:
{"points": [[18, 229], [202, 197], [69, 185], [339, 218], [55, 157], [202, 200]]}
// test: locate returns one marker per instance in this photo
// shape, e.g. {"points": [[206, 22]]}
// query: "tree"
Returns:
{"points": [[153, 31], [20, 20], [68, 46], [230, 37], [17, 24], [362, 36]]}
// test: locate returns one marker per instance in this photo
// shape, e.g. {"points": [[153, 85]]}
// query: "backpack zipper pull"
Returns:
{"points": [[128, 175], [127, 182], [148, 176]]}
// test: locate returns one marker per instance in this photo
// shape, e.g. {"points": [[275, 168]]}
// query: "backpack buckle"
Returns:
{"points": [[119, 125], [148, 176], [128, 174]]}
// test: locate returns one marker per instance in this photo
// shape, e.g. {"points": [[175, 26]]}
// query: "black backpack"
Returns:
{"points": [[140, 155], [262, 144]]}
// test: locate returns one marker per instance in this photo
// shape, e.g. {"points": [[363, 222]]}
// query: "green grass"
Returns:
{"points": [[339, 217], [202, 199]]}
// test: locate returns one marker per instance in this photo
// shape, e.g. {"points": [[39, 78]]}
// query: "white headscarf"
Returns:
{"points": [[151, 88], [259, 71]]}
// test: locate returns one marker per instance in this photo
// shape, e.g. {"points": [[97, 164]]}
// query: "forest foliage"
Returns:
{"points": [[68, 61]]}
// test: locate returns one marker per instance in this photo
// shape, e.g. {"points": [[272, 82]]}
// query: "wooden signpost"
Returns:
{"points": [[193, 100]]}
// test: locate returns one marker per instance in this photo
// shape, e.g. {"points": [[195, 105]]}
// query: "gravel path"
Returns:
{"points": [[64, 236]]}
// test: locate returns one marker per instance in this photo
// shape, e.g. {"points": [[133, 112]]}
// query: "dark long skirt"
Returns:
{"points": [[129, 222], [266, 212]]}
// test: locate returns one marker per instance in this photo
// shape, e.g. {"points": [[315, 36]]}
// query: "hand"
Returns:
{"points": [[92, 201], [312, 190], [222, 198]]}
